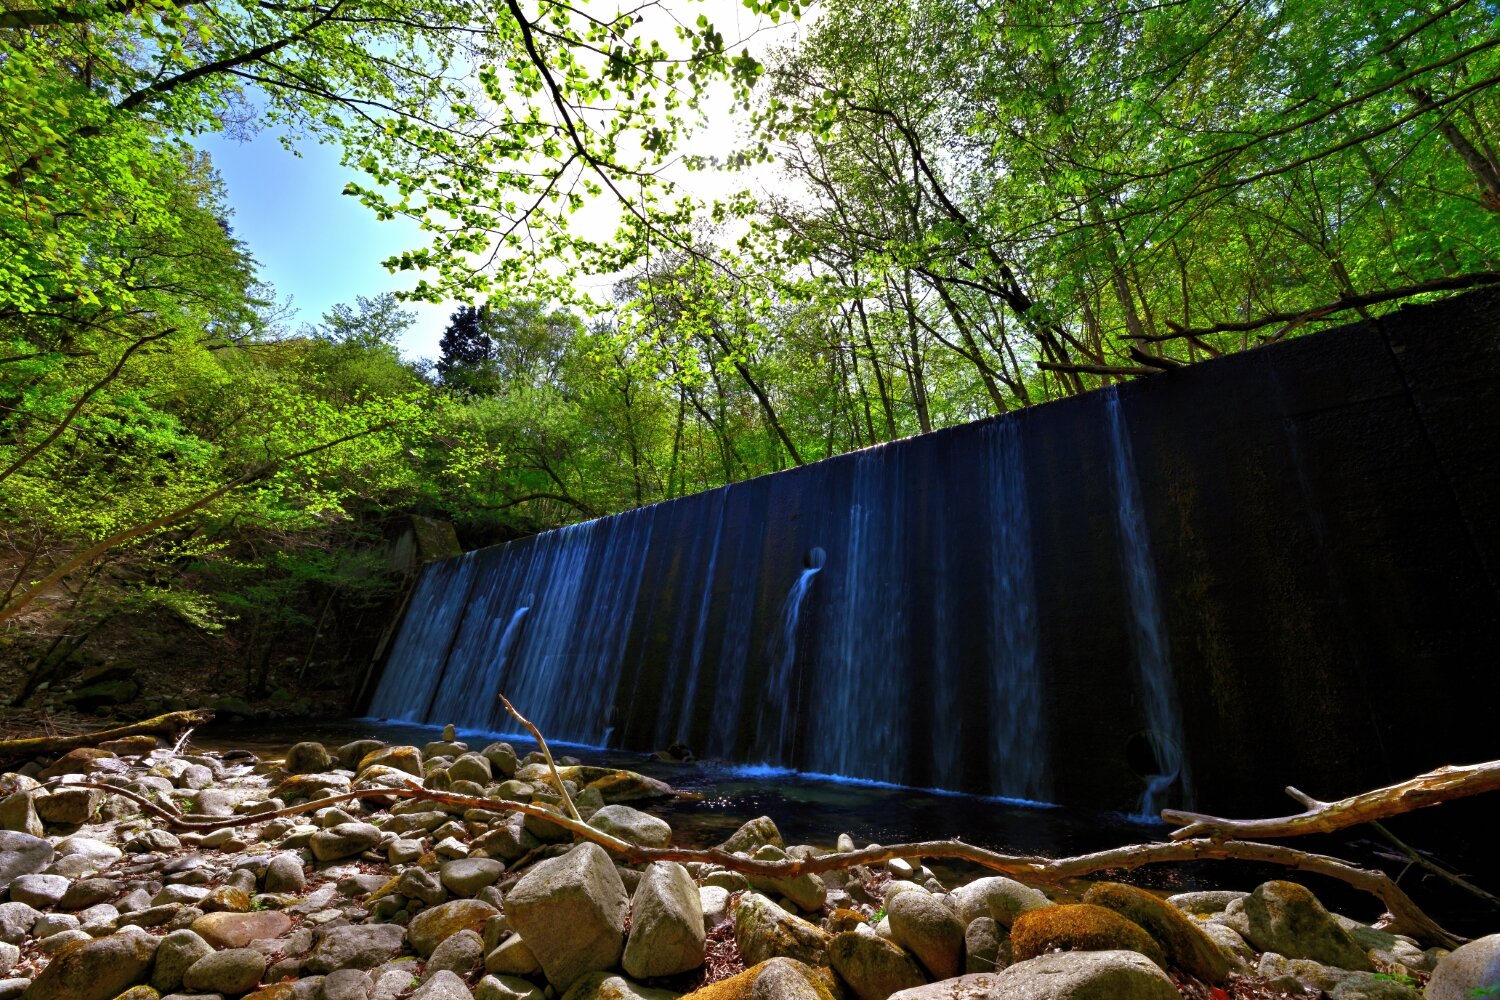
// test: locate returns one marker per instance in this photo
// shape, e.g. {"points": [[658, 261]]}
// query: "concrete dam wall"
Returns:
{"points": [[1279, 567]]}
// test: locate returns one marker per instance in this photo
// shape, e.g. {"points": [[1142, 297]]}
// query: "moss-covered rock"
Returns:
{"points": [[1184, 944], [776, 979], [763, 931], [1079, 927], [873, 967]]}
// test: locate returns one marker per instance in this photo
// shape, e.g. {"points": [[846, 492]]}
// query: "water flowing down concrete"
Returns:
{"points": [[1211, 582], [1153, 659], [1018, 753]]}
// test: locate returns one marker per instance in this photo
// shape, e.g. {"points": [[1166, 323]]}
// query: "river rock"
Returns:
{"points": [[756, 833], [603, 986], [284, 873], [763, 931], [16, 921], [471, 767], [1085, 975], [775, 979], [929, 930], [986, 949], [22, 854], [502, 758], [345, 840], [512, 957], [236, 930], [174, 956], [506, 988], [443, 986], [571, 912], [1474, 966], [99, 969], [18, 813], [666, 923], [233, 971], [40, 891], [80, 760], [1205, 903], [347, 984], [1286, 918], [997, 897], [467, 876], [873, 967], [361, 946], [432, 927], [408, 759], [1185, 945], [632, 825], [89, 892], [308, 758], [808, 892], [460, 954]]}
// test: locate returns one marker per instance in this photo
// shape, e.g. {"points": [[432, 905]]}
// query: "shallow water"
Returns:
{"points": [[815, 809]]}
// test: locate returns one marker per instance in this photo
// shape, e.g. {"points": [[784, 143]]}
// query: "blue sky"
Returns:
{"points": [[312, 242], [321, 248]]}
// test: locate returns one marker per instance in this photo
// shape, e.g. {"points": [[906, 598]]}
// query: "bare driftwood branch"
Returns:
{"points": [[546, 752], [1430, 789], [1406, 916], [162, 725], [1301, 316]]}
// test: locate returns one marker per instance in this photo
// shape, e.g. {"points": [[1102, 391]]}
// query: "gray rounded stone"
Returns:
{"points": [[666, 923], [40, 891], [174, 956], [929, 930], [571, 912], [344, 840], [467, 876], [1474, 966], [233, 971]]}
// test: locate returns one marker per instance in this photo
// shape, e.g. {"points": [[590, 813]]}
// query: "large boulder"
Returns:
{"points": [[361, 946], [18, 813], [763, 931], [233, 971], [873, 967], [922, 925], [775, 979], [756, 833], [174, 956], [22, 854], [236, 930], [1184, 944], [808, 892], [603, 986], [1085, 975], [997, 897], [435, 925], [345, 840], [666, 923], [632, 825], [308, 758], [1463, 971], [95, 970], [571, 912], [1286, 918], [1079, 927]]}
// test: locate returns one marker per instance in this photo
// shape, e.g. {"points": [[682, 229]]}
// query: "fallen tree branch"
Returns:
{"points": [[1407, 917], [546, 752], [162, 725], [1429, 789]]}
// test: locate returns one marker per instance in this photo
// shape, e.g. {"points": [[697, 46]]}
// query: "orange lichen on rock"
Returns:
{"points": [[1079, 927]]}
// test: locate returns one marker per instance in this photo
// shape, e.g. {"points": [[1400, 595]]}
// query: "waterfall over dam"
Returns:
{"points": [[1279, 567]]}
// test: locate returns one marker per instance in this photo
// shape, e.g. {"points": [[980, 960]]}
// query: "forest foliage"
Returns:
{"points": [[948, 211]]}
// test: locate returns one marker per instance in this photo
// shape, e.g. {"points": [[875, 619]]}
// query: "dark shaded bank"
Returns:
{"points": [[1275, 568]]}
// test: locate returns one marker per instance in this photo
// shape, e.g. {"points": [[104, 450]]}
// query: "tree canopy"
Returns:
{"points": [[948, 211]]}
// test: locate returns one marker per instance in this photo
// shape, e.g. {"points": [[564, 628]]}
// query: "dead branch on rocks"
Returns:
{"points": [[1430, 789], [546, 752], [168, 725], [1406, 916]]}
